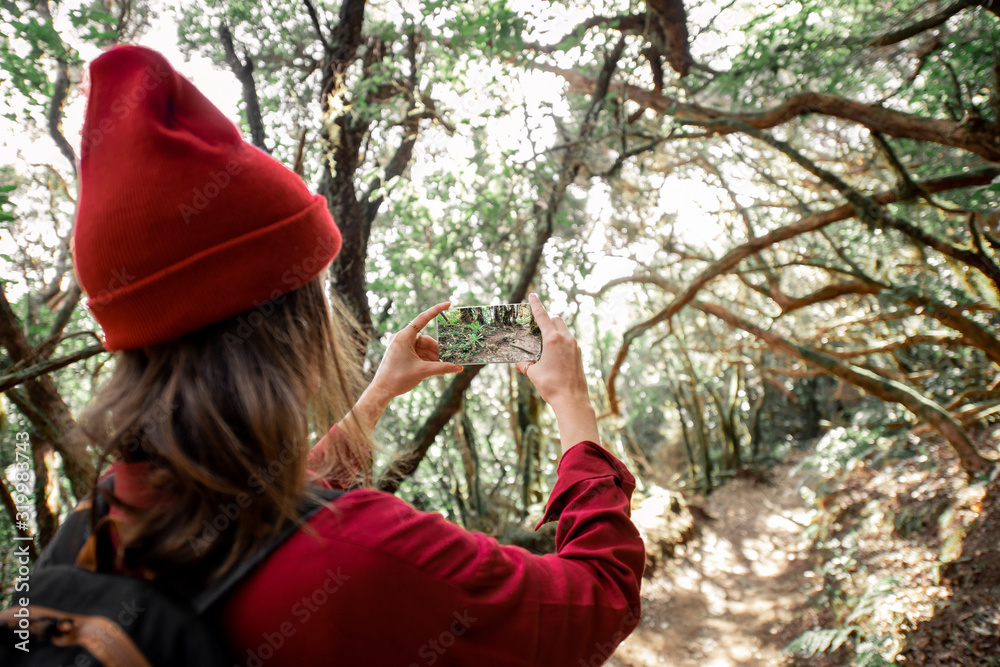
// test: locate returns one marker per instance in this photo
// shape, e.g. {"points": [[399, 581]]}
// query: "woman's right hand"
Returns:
{"points": [[558, 376]]}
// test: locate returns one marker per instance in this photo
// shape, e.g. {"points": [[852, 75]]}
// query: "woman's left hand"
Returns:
{"points": [[411, 358]]}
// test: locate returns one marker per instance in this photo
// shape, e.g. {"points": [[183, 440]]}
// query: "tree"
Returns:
{"points": [[875, 119]]}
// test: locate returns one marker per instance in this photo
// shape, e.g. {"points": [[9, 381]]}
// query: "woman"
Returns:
{"points": [[203, 261]]}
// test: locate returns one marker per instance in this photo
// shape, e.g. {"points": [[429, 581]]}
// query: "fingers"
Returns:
{"points": [[523, 366], [424, 318], [427, 348], [560, 325], [541, 317], [444, 368]]}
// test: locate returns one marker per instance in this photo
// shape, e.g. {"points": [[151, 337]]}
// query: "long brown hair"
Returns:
{"points": [[224, 417]]}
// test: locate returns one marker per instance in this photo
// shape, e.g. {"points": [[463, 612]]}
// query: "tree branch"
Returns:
{"points": [[904, 182], [668, 32], [14, 378], [733, 257], [978, 137], [870, 211], [624, 23], [827, 293], [59, 94], [314, 17], [70, 301], [934, 21], [855, 269], [908, 189], [244, 74], [885, 389], [404, 152], [60, 90], [902, 343], [954, 317]]}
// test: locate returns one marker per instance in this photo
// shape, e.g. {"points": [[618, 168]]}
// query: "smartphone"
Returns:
{"points": [[475, 335]]}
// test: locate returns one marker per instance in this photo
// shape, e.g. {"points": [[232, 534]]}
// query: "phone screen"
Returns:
{"points": [[476, 335]]}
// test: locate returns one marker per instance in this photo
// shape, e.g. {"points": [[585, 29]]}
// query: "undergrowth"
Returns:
{"points": [[890, 513]]}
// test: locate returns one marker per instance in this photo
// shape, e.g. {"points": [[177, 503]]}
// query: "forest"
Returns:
{"points": [[773, 227]]}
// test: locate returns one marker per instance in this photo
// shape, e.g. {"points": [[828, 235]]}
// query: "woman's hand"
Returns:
{"points": [[558, 377], [411, 358]]}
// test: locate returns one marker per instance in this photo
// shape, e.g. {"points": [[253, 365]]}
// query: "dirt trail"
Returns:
{"points": [[727, 593]]}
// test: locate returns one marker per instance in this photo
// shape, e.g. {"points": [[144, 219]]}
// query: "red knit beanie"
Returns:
{"points": [[180, 223]]}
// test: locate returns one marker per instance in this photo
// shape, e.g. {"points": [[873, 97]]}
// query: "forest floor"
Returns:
{"points": [[867, 553], [512, 344], [497, 344], [728, 592]]}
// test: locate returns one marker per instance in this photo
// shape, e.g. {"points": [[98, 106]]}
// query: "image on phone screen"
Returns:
{"points": [[475, 335]]}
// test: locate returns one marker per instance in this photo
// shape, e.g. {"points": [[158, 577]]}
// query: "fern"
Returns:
{"points": [[872, 658], [811, 642], [869, 652], [871, 597]]}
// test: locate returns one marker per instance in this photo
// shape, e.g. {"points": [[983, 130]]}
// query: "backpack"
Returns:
{"points": [[70, 616]]}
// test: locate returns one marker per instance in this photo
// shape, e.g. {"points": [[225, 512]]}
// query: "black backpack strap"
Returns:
{"points": [[205, 599], [65, 546]]}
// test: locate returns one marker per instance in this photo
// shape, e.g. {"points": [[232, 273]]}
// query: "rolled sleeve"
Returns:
{"points": [[582, 462]]}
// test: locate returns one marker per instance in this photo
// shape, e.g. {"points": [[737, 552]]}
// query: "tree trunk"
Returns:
{"points": [[46, 520], [465, 435], [733, 401], [692, 464], [672, 385], [341, 158], [755, 409], [635, 452], [11, 508], [810, 409], [697, 409], [529, 410]]}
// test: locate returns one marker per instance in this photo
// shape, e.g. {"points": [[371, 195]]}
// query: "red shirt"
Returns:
{"points": [[381, 583]]}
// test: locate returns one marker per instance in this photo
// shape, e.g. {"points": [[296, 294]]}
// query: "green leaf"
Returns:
{"points": [[811, 642]]}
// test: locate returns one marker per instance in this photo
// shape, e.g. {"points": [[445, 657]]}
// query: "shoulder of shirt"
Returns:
{"points": [[380, 523]]}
